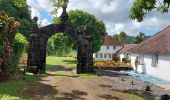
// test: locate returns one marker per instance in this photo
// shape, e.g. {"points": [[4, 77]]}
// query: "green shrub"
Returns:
{"points": [[126, 60], [116, 58], [8, 30], [20, 45]]}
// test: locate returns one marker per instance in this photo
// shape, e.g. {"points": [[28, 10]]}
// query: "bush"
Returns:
{"points": [[116, 58], [125, 60], [8, 30], [59, 45], [20, 45]]}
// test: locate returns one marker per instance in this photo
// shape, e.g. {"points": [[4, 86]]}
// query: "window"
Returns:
{"points": [[100, 55], [108, 55], [107, 47], [96, 55], [114, 47], [154, 60]]}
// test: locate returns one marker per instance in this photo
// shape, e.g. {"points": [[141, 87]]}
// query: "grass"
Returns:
{"points": [[60, 61], [8, 90], [70, 62], [61, 73]]}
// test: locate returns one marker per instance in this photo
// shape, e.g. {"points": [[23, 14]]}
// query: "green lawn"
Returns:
{"points": [[9, 90], [60, 61], [70, 62]]}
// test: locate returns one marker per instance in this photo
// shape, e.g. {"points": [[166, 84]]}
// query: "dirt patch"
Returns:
{"points": [[53, 87]]}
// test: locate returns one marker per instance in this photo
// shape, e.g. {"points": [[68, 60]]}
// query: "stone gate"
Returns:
{"points": [[39, 37]]}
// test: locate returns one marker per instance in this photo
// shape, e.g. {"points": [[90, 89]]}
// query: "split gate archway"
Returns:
{"points": [[39, 38]]}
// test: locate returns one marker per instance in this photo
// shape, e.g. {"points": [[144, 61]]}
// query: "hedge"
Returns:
{"points": [[20, 45]]}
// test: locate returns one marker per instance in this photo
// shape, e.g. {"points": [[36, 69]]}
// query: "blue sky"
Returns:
{"points": [[114, 13]]}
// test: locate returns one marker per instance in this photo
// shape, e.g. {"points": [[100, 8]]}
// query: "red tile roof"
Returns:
{"points": [[159, 43], [126, 48], [108, 40]]}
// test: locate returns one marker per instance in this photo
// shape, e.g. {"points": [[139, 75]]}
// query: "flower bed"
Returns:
{"points": [[112, 65]]}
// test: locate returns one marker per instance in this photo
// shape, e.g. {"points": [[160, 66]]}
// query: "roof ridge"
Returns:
{"points": [[155, 43], [153, 36]]}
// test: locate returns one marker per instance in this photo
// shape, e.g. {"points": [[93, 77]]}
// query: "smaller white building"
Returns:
{"points": [[153, 55], [125, 53], [108, 50]]}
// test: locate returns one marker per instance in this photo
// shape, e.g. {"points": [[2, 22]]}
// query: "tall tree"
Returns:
{"points": [[116, 36], [139, 38], [78, 19], [20, 11], [141, 7], [122, 36], [60, 44]]}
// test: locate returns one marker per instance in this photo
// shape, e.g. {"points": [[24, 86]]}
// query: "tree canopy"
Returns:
{"points": [[122, 36], [20, 11], [141, 7], [139, 38], [60, 44], [78, 19]]}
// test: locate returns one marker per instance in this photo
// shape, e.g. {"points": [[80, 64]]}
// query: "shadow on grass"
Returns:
{"points": [[146, 95], [54, 68], [133, 94], [39, 90], [9, 89], [70, 61], [138, 94]]}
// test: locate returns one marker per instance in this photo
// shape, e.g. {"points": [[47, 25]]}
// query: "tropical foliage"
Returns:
{"points": [[20, 45], [20, 11], [122, 36], [79, 20], [8, 29], [59, 44], [141, 7]]}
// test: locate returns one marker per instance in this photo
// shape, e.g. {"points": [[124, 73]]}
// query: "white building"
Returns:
{"points": [[125, 53], [108, 50], [154, 55]]}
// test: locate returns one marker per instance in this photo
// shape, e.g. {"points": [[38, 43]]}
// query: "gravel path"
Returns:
{"points": [[126, 83]]}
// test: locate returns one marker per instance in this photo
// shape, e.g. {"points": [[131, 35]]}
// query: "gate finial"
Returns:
{"points": [[35, 19]]}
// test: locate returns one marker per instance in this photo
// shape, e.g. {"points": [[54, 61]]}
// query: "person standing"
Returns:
{"points": [[136, 64]]}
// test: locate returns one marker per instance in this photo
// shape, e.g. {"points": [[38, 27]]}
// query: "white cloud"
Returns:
{"points": [[34, 13], [44, 22], [114, 13], [45, 4], [119, 27], [37, 6]]}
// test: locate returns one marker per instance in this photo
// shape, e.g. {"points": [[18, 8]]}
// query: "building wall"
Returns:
{"points": [[103, 50], [162, 70], [122, 55]]}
